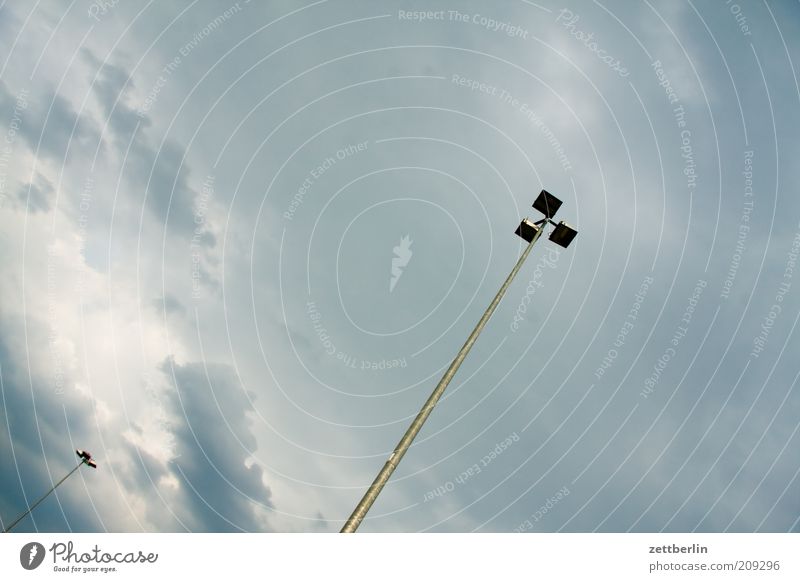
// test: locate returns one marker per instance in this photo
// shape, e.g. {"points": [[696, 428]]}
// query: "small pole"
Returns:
{"points": [[86, 459], [42, 498]]}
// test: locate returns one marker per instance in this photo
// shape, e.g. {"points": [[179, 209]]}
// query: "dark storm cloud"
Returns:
{"points": [[50, 125], [159, 173], [213, 441], [143, 473], [110, 87], [163, 176]]}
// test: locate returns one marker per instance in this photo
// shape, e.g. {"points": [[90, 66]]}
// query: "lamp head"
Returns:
{"points": [[527, 229], [547, 204], [563, 234]]}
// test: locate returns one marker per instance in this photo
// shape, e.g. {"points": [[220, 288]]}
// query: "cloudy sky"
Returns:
{"points": [[241, 242]]}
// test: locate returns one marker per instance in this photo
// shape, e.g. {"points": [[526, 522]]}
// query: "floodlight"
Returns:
{"points": [[547, 204], [86, 457], [530, 231], [527, 230], [563, 234]]}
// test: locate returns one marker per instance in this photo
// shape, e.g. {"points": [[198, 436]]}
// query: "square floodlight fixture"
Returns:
{"points": [[563, 234], [547, 204], [527, 230]]}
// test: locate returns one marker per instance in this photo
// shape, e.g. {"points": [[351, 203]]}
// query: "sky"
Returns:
{"points": [[241, 243]]}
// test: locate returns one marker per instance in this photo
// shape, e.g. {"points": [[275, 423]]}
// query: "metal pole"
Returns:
{"points": [[394, 459], [42, 498]]}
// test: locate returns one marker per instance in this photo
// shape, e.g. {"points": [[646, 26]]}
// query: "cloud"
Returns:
{"points": [[36, 197], [111, 89], [50, 126], [160, 173], [214, 444], [169, 304]]}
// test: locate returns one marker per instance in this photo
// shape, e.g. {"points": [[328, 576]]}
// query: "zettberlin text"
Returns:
{"points": [[674, 549]]}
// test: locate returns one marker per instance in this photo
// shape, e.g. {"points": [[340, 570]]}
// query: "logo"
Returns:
{"points": [[31, 555], [402, 257]]}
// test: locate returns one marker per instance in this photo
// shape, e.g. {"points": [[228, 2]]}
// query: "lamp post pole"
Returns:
{"points": [[86, 459], [394, 459]]}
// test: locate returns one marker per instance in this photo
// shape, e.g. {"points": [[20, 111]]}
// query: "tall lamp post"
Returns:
{"points": [[85, 459], [530, 231]]}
